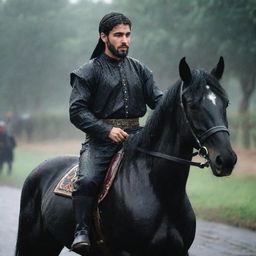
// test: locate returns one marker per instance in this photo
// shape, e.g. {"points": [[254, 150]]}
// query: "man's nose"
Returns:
{"points": [[124, 39]]}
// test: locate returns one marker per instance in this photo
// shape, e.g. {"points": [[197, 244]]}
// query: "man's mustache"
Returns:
{"points": [[124, 45]]}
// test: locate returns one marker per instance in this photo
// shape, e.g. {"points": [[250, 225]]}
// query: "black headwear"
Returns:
{"points": [[106, 25]]}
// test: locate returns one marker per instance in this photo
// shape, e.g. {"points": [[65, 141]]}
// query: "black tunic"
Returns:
{"points": [[106, 88]]}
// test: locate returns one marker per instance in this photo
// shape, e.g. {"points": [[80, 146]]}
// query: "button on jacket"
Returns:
{"points": [[106, 88]]}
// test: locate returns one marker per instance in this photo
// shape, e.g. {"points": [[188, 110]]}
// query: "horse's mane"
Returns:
{"points": [[149, 134]]}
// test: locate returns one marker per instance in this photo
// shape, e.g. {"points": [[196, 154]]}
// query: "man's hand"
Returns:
{"points": [[117, 134]]}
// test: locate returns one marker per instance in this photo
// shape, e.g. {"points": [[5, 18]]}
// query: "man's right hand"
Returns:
{"points": [[117, 134]]}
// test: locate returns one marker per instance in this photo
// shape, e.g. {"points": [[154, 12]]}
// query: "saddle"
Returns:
{"points": [[66, 184], [65, 188]]}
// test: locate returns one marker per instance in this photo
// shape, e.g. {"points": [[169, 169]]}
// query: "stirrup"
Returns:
{"points": [[81, 243]]}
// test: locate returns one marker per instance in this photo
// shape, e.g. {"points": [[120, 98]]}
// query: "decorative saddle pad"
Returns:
{"points": [[65, 185]]}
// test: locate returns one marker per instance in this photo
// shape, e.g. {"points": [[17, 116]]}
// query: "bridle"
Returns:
{"points": [[200, 139]]}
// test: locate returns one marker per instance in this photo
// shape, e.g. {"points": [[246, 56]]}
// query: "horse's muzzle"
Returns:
{"points": [[223, 164]]}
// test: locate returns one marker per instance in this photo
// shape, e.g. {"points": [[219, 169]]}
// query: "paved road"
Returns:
{"points": [[212, 239]]}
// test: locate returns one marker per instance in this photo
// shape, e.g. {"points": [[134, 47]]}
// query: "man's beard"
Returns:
{"points": [[115, 52]]}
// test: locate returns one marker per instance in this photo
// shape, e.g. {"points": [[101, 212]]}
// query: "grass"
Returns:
{"points": [[230, 199], [25, 162]]}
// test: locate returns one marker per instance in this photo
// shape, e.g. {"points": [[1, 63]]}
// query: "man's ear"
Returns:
{"points": [[103, 37]]}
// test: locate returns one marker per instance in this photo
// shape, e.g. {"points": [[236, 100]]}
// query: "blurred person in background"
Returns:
{"points": [[9, 122], [7, 144], [108, 96]]}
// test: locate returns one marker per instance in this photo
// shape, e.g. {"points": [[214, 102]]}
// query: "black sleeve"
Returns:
{"points": [[152, 93], [79, 110]]}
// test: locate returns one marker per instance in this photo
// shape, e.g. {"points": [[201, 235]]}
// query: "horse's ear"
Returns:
{"points": [[219, 69], [185, 73]]}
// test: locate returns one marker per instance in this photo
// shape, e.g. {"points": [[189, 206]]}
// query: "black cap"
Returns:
{"points": [[107, 23]]}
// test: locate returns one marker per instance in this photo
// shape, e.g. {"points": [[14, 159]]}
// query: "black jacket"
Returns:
{"points": [[109, 88]]}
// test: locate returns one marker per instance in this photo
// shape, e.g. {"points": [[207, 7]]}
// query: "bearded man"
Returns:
{"points": [[109, 94]]}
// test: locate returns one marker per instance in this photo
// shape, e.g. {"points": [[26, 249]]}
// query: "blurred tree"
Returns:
{"points": [[41, 42], [32, 34], [230, 28]]}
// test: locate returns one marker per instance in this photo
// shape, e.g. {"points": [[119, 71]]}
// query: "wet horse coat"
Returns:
{"points": [[147, 211]]}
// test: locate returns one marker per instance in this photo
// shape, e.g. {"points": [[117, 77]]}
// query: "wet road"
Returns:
{"points": [[212, 239]]}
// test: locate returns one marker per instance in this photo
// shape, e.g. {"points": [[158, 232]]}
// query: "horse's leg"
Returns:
{"points": [[43, 244], [34, 241], [33, 238]]}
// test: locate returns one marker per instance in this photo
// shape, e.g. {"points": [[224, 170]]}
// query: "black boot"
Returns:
{"points": [[83, 207]]}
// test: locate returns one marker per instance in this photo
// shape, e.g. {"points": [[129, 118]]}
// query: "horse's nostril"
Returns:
{"points": [[219, 161]]}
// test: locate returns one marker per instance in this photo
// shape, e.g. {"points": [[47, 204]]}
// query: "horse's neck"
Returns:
{"points": [[157, 178], [172, 141]]}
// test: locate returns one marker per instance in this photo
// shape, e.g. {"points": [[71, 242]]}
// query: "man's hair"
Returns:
{"points": [[110, 20]]}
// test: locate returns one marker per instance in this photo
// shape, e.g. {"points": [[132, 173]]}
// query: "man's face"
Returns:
{"points": [[118, 41]]}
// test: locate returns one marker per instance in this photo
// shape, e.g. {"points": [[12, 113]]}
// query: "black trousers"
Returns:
{"points": [[95, 157], [94, 160]]}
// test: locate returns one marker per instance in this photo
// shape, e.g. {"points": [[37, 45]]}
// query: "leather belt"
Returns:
{"points": [[123, 123]]}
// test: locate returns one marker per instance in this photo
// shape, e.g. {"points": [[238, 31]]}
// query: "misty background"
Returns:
{"points": [[42, 41]]}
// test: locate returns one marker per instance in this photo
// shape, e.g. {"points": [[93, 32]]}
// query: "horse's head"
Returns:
{"points": [[204, 104]]}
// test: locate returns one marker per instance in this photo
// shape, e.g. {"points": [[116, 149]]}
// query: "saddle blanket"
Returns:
{"points": [[66, 184]]}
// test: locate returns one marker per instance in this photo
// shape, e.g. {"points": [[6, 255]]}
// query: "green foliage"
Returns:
{"points": [[236, 122], [233, 31], [41, 42], [32, 33], [229, 199]]}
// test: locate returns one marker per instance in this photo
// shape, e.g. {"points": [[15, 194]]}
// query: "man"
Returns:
{"points": [[109, 94]]}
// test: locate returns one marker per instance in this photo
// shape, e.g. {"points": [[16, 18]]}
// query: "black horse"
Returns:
{"points": [[147, 211]]}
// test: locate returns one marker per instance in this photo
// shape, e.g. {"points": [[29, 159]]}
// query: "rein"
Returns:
{"points": [[176, 159], [200, 139]]}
